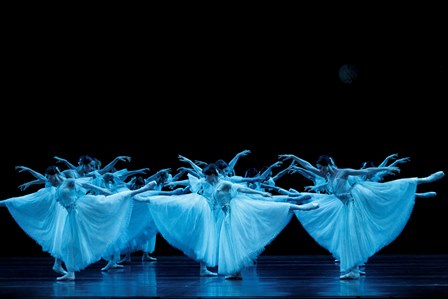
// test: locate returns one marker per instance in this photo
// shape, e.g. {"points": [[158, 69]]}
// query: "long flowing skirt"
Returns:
{"points": [[248, 227], [187, 223], [356, 229]]}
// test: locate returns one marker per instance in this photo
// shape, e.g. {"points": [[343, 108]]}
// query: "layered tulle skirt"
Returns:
{"points": [[354, 229]]}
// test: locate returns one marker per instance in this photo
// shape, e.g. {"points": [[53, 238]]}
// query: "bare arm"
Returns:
{"points": [[305, 164], [314, 177], [61, 160], [345, 172], [155, 175], [111, 165], [95, 188], [191, 171], [36, 174], [180, 172], [177, 183], [384, 163], [129, 173], [25, 186], [246, 190], [317, 188], [277, 189], [232, 162], [269, 169], [147, 187], [282, 172], [400, 161], [194, 166]]}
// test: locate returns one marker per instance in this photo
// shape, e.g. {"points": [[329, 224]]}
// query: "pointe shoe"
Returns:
{"points": [[67, 276], [236, 276], [58, 269], [205, 272], [148, 258], [111, 265], [426, 194], [126, 259], [350, 275], [435, 176]]}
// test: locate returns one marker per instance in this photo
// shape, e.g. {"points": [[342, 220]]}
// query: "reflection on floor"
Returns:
{"points": [[272, 276]]}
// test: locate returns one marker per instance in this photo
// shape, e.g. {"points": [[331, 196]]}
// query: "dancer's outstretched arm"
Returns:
{"points": [[315, 178], [282, 172], [109, 167], [200, 163], [155, 175], [307, 165], [388, 158], [400, 161], [180, 172], [147, 187], [316, 188], [190, 171], [269, 169], [345, 172], [25, 186], [66, 162], [232, 162], [129, 173], [96, 188], [36, 174], [194, 166], [247, 190]]}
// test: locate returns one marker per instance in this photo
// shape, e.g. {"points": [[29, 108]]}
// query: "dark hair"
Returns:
{"points": [[210, 169], [251, 172], [137, 183], [221, 164], [85, 159], [324, 160], [51, 170], [162, 177]]}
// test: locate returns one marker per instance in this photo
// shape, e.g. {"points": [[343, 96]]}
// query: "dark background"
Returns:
{"points": [[209, 94]]}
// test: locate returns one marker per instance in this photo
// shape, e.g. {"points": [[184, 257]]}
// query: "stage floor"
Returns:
{"points": [[391, 276]]}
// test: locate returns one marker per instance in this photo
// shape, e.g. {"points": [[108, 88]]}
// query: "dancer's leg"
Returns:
{"points": [[431, 178]]}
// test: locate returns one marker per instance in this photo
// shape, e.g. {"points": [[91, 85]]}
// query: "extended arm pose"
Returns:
{"points": [[358, 217], [195, 167], [235, 159], [248, 225]]}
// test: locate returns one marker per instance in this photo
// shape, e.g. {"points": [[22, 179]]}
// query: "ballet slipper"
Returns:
{"points": [[350, 275], [58, 269], [111, 265], [205, 272], [68, 276], [126, 259], [147, 257]]}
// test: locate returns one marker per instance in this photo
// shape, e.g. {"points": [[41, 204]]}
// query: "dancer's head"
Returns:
{"points": [[325, 163], [53, 175], [163, 177], [88, 164], [137, 183], [211, 173], [223, 168]]}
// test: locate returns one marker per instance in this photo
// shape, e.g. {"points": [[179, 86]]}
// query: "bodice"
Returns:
{"points": [[341, 188]]}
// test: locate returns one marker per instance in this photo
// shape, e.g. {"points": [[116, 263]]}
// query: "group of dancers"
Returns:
{"points": [[86, 212]]}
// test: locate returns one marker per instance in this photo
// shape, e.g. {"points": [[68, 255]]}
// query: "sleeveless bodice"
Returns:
{"points": [[342, 187]]}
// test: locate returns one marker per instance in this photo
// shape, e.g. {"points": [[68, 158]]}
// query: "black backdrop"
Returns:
{"points": [[211, 100]]}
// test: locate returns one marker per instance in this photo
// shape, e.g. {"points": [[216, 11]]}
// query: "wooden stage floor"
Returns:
{"points": [[310, 276]]}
